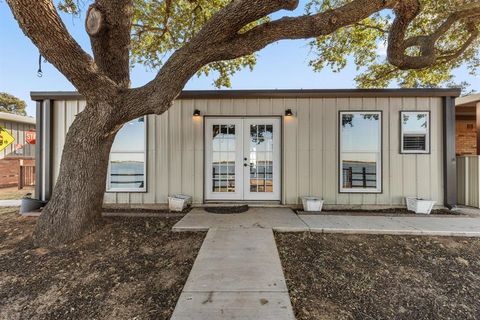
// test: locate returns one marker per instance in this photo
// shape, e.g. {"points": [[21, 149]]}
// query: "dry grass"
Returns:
{"points": [[134, 268], [12, 193], [381, 277]]}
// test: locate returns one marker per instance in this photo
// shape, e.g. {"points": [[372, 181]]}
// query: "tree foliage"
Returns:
{"points": [[161, 27], [12, 104], [365, 43]]}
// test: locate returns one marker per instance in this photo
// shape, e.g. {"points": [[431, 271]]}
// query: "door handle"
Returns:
{"points": [[245, 159]]}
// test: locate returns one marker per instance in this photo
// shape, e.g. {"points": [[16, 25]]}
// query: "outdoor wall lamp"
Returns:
{"points": [[196, 113], [288, 113]]}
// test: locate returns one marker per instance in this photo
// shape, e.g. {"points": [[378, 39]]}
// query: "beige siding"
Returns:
{"points": [[310, 148], [468, 180]]}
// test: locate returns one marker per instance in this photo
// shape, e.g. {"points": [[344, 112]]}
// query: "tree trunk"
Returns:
{"points": [[76, 204]]}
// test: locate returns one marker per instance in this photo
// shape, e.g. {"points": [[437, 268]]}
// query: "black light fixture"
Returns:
{"points": [[196, 113], [288, 113]]}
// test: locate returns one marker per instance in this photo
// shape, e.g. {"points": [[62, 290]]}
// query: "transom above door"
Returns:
{"points": [[242, 159]]}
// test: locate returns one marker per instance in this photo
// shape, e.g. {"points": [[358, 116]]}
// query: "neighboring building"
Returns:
{"points": [[467, 114], [19, 152], [353, 148]]}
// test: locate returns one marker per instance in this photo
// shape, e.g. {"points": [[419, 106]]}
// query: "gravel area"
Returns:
{"points": [[333, 276], [134, 268]]}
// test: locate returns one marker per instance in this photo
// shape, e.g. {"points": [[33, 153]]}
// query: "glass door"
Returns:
{"points": [[242, 159], [224, 165], [261, 148]]}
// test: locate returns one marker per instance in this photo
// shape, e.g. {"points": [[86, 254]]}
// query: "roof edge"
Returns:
{"points": [[17, 118], [277, 93], [471, 99]]}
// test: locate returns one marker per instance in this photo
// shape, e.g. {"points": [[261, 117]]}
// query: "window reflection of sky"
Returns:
{"points": [[361, 134], [414, 122], [127, 157], [131, 138]]}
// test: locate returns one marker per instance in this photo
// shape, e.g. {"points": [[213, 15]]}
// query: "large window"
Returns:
{"points": [[360, 151], [127, 159], [415, 135]]}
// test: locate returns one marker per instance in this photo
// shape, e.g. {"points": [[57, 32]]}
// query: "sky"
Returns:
{"points": [[283, 65]]}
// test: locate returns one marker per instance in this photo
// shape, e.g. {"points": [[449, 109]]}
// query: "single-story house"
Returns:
{"points": [[17, 149], [353, 148]]}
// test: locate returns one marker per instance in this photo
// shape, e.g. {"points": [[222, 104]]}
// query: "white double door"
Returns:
{"points": [[242, 158]]}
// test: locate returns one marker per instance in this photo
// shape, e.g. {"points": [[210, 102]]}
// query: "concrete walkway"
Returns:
{"points": [[409, 225], [238, 274], [279, 219], [10, 203]]}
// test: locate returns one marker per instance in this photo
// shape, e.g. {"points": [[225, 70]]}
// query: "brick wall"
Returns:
{"points": [[9, 171], [466, 137]]}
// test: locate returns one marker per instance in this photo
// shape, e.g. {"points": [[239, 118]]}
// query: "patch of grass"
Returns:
{"points": [[134, 268], [12, 193], [333, 276]]}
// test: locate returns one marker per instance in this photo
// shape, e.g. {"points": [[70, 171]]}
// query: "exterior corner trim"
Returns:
{"points": [[449, 156]]}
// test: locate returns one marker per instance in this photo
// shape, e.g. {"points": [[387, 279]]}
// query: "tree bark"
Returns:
{"points": [[76, 204]]}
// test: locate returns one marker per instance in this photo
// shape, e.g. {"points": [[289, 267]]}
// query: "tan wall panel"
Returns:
{"points": [[290, 153], [316, 146], [175, 152], [330, 142]]}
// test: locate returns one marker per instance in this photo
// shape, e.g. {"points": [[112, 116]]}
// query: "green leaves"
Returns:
{"points": [[365, 43], [12, 104], [161, 27]]}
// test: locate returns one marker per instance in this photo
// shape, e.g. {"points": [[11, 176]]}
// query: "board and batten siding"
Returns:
{"points": [[468, 180], [17, 130], [175, 152]]}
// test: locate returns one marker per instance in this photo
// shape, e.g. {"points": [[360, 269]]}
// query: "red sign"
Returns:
{"points": [[30, 136]]}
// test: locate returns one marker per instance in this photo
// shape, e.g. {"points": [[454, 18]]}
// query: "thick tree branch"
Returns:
{"points": [[406, 11], [40, 21], [157, 95], [111, 42], [302, 27], [237, 14]]}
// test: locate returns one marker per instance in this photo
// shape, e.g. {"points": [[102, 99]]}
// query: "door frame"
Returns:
{"points": [[281, 171]]}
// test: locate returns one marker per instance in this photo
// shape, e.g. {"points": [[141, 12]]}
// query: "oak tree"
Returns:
{"points": [[424, 40], [12, 104]]}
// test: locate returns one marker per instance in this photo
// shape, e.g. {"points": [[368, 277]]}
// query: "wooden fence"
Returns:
{"points": [[26, 176], [351, 179]]}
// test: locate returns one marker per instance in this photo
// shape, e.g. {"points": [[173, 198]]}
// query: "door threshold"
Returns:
{"points": [[213, 203]]}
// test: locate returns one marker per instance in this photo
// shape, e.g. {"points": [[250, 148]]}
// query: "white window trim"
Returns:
{"points": [[132, 190], [427, 137], [378, 153]]}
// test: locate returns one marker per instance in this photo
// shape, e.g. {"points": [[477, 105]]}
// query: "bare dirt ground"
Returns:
{"points": [[381, 277], [12, 193], [134, 268]]}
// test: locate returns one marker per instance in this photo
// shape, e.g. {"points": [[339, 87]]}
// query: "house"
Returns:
{"points": [[353, 148], [17, 150], [467, 111], [467, 114]]}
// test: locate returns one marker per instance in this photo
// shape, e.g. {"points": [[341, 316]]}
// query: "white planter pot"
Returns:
{"points": [[419, 205], [178, 202], [312, 204]]}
